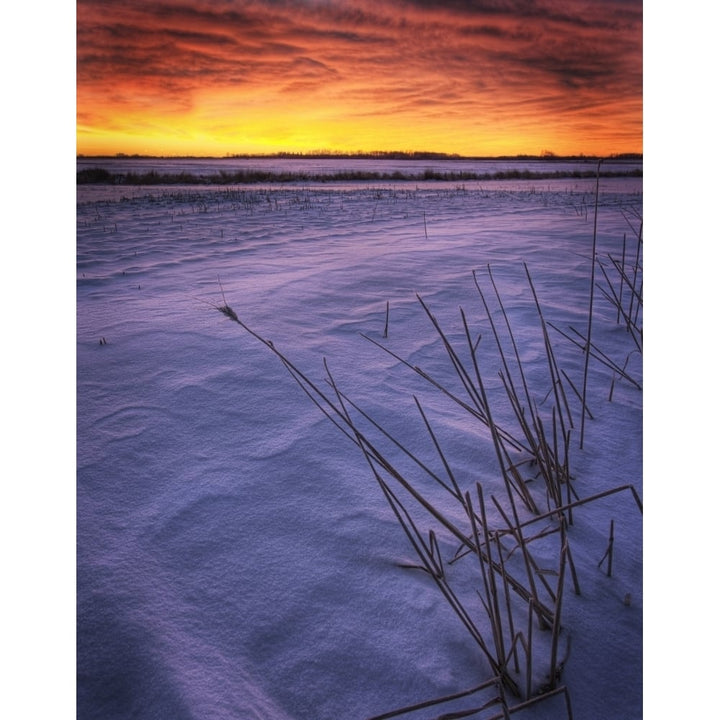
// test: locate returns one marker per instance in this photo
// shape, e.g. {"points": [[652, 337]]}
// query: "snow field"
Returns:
{"points": [[234, 549]]}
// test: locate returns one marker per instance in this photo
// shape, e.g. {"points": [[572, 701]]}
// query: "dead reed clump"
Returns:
{"points": [[507, 577]]}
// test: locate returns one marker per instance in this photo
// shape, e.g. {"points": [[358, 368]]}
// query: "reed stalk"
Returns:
{"points": [[561, 690], [598, 355], [496, 617], [631, 284], [475, 395], [435, 701], [615, 300], [544, 613], [508, 604], [573, 573], [609, 552], [577, 393], [590, 310], [529, 650], [503, 359], [622, 273], [523, 543], [584, 501], [507, 437], [556, 620], [636, 267], [457, 492], [552, 363], [452, 490]]}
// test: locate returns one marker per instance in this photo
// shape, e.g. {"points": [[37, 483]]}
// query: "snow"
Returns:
{"points": [[236, 557]]}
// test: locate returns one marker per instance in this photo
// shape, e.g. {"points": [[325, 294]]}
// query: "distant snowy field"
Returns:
{"points": [[236, 558], [328, 166]]}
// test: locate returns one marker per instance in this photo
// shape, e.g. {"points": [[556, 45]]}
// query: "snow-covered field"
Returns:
{"points": [[236, 556], [324, 166]]}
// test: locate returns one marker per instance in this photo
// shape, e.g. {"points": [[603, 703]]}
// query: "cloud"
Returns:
{"points": [[359, 57]]}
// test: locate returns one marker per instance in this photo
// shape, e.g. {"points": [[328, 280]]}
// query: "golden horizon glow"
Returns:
{"points": [[215, 78]]}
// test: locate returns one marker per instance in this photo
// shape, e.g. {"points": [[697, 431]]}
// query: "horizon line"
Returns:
{"points": [[374, 154]]}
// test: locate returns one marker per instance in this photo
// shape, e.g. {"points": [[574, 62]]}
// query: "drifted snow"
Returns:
{"points": [[235, 556]]}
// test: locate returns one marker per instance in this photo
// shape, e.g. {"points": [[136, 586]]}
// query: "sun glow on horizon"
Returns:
{"points": [[209, 79]]}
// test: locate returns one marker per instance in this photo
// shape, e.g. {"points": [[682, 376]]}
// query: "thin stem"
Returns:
{"points": [[590, 310]]}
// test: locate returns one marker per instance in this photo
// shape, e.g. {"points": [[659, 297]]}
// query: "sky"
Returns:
{"points": [[473, 77]]}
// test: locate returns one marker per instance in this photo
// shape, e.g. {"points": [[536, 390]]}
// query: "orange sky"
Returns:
{"points": [[484, 77]]}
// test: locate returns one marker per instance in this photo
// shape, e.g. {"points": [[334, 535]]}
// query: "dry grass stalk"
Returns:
{"points": [[544, 613], [622, 272], [635, 294], [554, 670], [439, 386], [590, 310], [508, 374], [584, 501], [636, 268], [473, 393], [491, 591], [576, 391], [508, 604], [437, 701], [609, 552], [518, 483], [598, 355], [562, 690], [571, 565], [457, 492], [529, 649], [557, 386], [454, 491], [634, 332]]}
